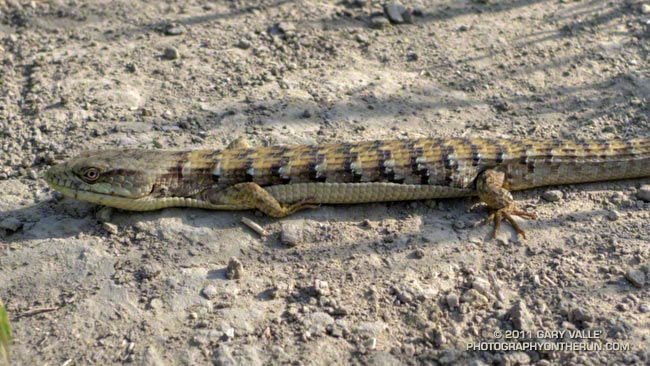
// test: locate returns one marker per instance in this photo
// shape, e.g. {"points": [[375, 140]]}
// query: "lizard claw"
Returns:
{"points": [[497, 216]]}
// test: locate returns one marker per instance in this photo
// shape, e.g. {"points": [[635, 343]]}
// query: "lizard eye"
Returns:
{"points": [[90, 175]]}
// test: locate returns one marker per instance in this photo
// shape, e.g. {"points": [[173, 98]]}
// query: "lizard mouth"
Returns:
{"points": [[145, 202]]}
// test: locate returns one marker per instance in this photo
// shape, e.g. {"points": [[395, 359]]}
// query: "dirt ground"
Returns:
{"points": [[376, 284]]}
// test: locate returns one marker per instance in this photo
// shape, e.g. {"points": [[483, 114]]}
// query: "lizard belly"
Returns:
{"points": [[362, 192]]}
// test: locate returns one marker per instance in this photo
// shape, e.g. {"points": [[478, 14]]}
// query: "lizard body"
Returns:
{"points": [[280, 180]]}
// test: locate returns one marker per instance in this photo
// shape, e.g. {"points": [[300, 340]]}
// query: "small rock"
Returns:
{"points": [[370, 343], [636, 277], [210, 292], [411, 56], [361, 38], [580, 314], [437, 336], [322, 288], [553, 195], [104, 214], [318, 322], [150, 270], [521, 317], [644, 193], [110, 228], [474, 297], [453, 301], [292, 233], [155, 304], [645, 9], [286, 28], [379, 22], [171, 53], [394, 11], [235, 269], [243, 44], [481, 285], [644, 308], [613, 215], [174, 29], [418, 253], [31, 174], [280, 290], [11, 224]]}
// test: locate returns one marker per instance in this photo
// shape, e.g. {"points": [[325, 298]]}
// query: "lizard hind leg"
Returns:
{"points": [[249, 195], [491, 191]]}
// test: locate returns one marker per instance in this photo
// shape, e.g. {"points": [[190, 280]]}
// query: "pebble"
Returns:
{"points": [[644, 308], [31, 174], [322, 288], [481, 285], [243, 44], [104, 214], [636, 277], [644, 193], [174, 29], [453, 301], [110, 228], [235, 269], [286, 28], [150, 270], [370, 343], [437, 337], [579, 314], [521, 317], [613, 215], [361, 38], [171, 53], [319, 321], [11, 224], [394, 11], [553, 195], [210, 292], [645, 9], [292, 233], [474, 297], [379, 22]]}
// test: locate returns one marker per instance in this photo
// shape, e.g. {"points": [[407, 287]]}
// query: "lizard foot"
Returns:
{"points": [[497, 216], [492, 190]]}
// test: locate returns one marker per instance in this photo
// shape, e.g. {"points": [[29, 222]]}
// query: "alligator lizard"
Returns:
{"points": [[280, 180]]}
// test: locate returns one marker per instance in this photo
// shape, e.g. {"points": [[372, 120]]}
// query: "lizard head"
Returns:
{"points": [[116, 178]]}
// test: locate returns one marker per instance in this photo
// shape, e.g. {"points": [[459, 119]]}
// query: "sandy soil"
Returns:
{"points": [[381, 284]]}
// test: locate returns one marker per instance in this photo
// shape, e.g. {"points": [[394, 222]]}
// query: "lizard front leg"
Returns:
{"points": [[491, 191], [249, 195]]}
